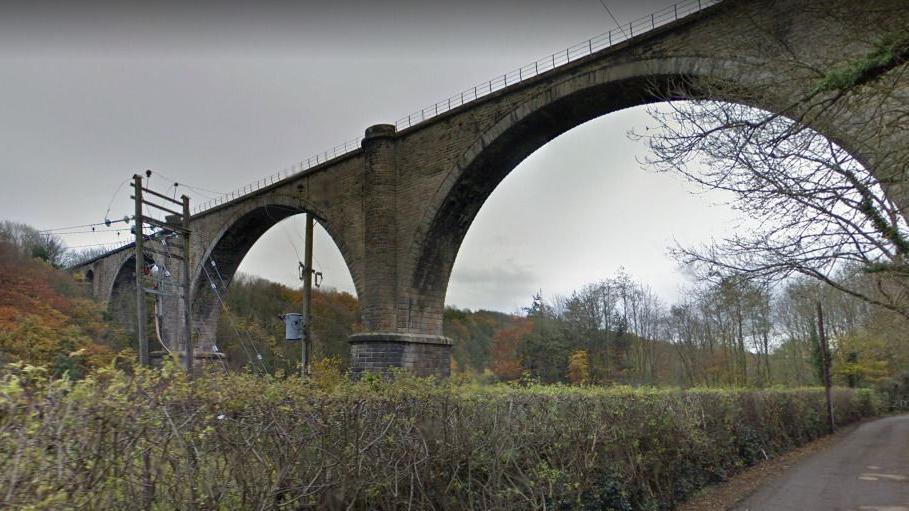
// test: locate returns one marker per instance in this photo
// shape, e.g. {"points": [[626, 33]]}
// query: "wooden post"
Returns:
{"points": [[189, 346], [140, 269], [307, 296], [825, 365]]}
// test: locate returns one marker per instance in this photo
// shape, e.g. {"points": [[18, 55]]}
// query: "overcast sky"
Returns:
{"points": [[217, 95]]}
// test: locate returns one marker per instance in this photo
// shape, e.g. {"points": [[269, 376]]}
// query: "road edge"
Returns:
{"points": [[725, 495]]}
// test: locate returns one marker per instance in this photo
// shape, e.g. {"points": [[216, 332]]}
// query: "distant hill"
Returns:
{"points": [[48, 318]]}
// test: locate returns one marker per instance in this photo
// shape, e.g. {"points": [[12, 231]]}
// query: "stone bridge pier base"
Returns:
{"points": [[423, 355], [396, 335]]}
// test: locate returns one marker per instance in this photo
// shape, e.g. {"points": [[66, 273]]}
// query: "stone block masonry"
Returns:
{"points": [[423, 355], [399, 207]]}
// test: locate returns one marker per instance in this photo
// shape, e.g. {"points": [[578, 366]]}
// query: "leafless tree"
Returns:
{"points": [[33, 243], [811, 207]]}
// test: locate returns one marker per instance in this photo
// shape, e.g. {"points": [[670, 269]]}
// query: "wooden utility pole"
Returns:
{"points": [[140, 270], [189, 346], [177, 223], [825, 365], [307, 296]]}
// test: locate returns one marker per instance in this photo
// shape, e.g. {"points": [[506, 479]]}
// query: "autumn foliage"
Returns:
{"points": [[48, 319], [506, 362], [579, 368], [250, 325]]}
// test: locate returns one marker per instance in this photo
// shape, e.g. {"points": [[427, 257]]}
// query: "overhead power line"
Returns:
{"points": [[178, 183], [114, 197], [90, 231], [114, 244], [98, 224], [614, 20]]}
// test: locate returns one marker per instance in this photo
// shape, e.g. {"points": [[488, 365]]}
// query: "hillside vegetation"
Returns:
{"points": [[49, 319]]}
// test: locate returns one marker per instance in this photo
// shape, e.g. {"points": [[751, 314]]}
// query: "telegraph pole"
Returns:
{"points": [[825, 365], [177, 223], [189, 346], [140, 270], [307, 296]]}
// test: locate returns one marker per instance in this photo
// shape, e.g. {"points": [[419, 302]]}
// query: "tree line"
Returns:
{"points": [[614, 331], [731, 333]]}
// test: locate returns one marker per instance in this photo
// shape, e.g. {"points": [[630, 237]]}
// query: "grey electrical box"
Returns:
{"points": [[293, 326]]}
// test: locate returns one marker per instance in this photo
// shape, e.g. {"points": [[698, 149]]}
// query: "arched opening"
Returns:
{"points": [[576, 211], [90, 281], [580, 207], [502, 148], [250, 277], [122, 303], [540, 119]]}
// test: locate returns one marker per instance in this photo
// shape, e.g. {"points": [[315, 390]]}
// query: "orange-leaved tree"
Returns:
{"points": [[506, 363]]}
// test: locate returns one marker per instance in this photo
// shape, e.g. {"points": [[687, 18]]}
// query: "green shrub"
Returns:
{"points": [[895, 392], [238, 441]]}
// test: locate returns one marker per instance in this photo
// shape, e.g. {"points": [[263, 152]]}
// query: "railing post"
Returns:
{"points": [[449, 104]]}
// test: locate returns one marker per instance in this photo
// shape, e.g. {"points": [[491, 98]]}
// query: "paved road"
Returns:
{"points": [[868, 470]]}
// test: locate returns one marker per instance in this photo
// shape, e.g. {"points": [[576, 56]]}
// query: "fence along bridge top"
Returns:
{"points": [[399, 202], [536, 68], [553, 61]]}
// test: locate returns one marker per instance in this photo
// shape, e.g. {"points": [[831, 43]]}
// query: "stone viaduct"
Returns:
{"points": [[399, 205]]}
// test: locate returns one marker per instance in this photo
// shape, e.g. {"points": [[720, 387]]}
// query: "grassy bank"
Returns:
{"points": [[151, 440]]}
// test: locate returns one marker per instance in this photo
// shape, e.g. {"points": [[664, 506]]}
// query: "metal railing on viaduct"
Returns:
{"points": [[593, 45], [546, 64]]}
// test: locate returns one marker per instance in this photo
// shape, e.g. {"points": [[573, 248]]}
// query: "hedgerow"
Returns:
{"points": [[153, 440]]}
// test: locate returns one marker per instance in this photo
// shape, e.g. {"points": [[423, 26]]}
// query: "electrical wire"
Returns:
{"points": [[53, 230], [191, 187], [617, 24], [224, 306], [224, 287], [113, 244], [114, 197], [284, 231], [96, 231]]}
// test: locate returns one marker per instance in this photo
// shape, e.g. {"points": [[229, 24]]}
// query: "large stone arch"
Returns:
{"points": [[473, 176], [239, 230], [399, 206]]}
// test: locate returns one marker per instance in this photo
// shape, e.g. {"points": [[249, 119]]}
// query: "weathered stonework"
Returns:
{"points": [[423, 355], [399, 207]]}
